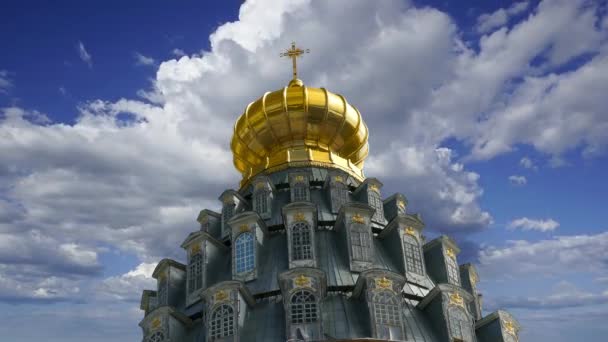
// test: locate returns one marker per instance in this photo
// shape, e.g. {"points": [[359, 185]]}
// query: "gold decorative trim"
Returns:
{"points": [[384, 283], [357, 218], [401, 204], [221, 296], [410, 231], [299, 217], [456, 299], [474, 279], [338, 179], [243, 228], [204, 219], [228, 200], [509, 327], [298, 179], [450, 252], [260, 185], [302, 281]]}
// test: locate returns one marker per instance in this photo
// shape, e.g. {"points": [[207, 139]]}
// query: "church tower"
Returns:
{"points": [[307, 248]]}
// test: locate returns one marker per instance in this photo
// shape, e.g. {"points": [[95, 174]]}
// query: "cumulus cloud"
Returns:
{"points": [[527, 163], [525, 223], [489, 21], [5, 82], [143, 60], [128, 286], [518, 180], [84, 55]]}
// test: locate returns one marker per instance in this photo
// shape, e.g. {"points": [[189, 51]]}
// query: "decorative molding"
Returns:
{"points": [[302, 281], [456, 299], [474, 279], [338, 179], [410, 231], [243, 228], [260, 185], [401, 204], [374, 188], [384, 283], [509, 327], [357, 218], [299, 179], [299, 217]]}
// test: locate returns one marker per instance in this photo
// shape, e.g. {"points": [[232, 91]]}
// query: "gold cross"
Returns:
{"points": [[294, 53]]}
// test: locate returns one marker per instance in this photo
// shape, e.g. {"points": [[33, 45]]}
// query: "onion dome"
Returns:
{"points": [[299, 126]]}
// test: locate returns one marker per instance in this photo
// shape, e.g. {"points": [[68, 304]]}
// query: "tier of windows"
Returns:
{"points": [[162, 292], [460, 325], [413, 255], [195, 272], [303, 307], [360, 241], [157, 336], [221, 323], [339, 196], [245, 252], [452, 269], [301, 238]]}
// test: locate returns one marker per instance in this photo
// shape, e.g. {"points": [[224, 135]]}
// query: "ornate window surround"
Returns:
{"points": [[298, 215]]}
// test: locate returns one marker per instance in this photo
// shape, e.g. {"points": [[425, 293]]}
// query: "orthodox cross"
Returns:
{"points": [[294, 53]]}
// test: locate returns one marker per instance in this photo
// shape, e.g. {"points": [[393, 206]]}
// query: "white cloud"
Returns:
{"points": [[518, 180], [143, 60], [557, 257], [487, 22], [525, 223], [5, 82], [527, 163], [178, 52], [84, 54], [128, 286]]}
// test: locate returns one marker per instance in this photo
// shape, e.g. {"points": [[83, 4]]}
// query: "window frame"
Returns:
{"points": [[457, 325], [452, 270], [301, 241], [359, 235], [195, 272], [411, 250], [248, 256], [306, 311], [221, 321]]}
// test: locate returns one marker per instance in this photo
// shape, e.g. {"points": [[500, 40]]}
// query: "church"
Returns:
{"points": [[307, 248]]}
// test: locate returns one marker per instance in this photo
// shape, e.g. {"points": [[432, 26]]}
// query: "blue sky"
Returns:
{"points": [[115, 122]]}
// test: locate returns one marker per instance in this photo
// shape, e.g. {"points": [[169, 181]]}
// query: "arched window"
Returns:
{"points": [[413, 254], [244, 252], [222, 322], [360, 242], [387, 313], [157, 336], [195, 272], [300, 192], [227, 213], [260, 201], [460, 324], [303, 307], [453, 277], [301, 247]]}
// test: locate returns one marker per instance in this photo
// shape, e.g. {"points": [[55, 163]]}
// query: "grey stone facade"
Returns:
{"points": [[311, 254]]}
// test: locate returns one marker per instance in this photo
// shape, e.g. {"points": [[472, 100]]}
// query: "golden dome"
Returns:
{"points": [[299, 126]]}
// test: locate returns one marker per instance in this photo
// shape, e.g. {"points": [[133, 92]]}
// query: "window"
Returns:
{"points": [[300, 192], [195, 272], [303, 307], [162, 291], [244, 252], [222, 321], [260, 202], [460, 325], [301, 241], [386, 309], [227, 213], [339, 196], [376, 203], [360, 242], [453, 277], [413, 255], [156, 337]]}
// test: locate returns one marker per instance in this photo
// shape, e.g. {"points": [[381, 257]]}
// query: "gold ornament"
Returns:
{"points": [[155, 323], [244, 228], [195, 249], [509, 327], [374, 188], [294, 53], [299, 178], [302, 281], [221, 296], [456, 299], [410, 231], [450, 253], [260, 185], [401, 204], [357, 218], [338, 179], [299, 217], [384, 283]]}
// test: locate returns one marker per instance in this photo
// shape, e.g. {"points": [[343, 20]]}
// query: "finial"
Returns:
{"points": [[294, 53]]}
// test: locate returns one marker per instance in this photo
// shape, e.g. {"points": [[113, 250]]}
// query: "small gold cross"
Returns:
{"points": [[294, 53]]}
